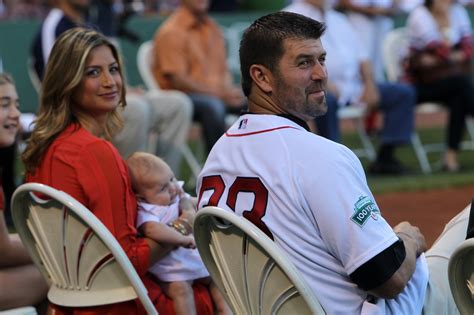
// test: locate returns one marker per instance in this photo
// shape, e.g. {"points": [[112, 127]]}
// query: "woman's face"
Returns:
{"points": [[100, 89], [9, 114]]}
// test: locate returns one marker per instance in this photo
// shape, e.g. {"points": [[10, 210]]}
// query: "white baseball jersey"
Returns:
{"points": [[181, 264], [312, 196]]}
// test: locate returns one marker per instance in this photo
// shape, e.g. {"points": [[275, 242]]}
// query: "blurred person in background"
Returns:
{"points": [[371, 20], [190, 55], [439, 65], [351, 81]]}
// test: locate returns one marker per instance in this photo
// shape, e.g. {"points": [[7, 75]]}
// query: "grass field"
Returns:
{"points": [[416, 180]]}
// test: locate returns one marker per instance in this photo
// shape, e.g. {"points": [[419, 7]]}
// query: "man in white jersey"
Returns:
{"points": [[309, 194]]}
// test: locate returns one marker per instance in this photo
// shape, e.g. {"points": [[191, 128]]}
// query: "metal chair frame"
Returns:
{"points": [[254, 274]]}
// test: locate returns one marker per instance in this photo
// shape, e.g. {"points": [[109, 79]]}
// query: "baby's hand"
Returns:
{"points": [[188, 242]]}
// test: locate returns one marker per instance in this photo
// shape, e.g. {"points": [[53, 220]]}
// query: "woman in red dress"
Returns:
{"points": [[69, 149]]}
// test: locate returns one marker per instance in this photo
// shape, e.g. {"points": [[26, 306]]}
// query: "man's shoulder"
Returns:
{"points": [[170, 28]]}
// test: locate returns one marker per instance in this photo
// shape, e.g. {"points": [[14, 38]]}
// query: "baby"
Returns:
{"points": [[166, 215]]}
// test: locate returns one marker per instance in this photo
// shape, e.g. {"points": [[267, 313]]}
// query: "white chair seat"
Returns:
{"points": [[26, 310], [253, 273], [74, 250], [461, 276]]}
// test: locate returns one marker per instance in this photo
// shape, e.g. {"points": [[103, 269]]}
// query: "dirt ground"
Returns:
{"points": [[429, 210]]}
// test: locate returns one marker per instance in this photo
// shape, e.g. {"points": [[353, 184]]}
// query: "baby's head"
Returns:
{"points": [[152, 179]]}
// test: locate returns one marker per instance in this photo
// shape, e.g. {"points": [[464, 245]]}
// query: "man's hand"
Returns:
{"points": [[370, 96], [410, 233]]}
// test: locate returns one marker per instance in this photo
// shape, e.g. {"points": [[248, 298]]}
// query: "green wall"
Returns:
{"points": [[16, 38]]}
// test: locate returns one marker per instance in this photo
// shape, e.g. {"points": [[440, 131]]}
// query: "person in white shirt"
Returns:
{"points": [[371, 20], [351, 82], [309, 194], [439, 66]]}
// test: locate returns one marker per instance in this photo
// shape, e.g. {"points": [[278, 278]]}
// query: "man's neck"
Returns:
{"points": [[200, 17], [261, 103]]}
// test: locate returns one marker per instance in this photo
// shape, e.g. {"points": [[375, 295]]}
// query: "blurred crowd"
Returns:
{"points": [[25, 9], [38, 9]]}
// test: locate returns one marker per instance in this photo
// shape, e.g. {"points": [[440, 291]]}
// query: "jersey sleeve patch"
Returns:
{"points": [[364, 209]]}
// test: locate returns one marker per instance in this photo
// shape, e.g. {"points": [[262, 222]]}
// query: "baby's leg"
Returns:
{"points": [[181, 292], [219, 302]]}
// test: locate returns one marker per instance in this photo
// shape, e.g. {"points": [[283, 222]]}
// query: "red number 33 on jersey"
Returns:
{"points": [[240, 185]]}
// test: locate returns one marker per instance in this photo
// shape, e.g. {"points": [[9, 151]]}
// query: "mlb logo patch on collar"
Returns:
{"points": [[364, 208], [243, 123]]}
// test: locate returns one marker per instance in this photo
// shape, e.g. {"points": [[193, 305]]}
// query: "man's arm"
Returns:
{"points": [[370, 94], [415, 244]]}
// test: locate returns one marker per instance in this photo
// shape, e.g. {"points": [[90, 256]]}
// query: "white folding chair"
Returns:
{"points": [[253, 273], [394, 49], [26, 310], [74, 251], [357, 115], [35, 80], [461, 276], [144, 64]]}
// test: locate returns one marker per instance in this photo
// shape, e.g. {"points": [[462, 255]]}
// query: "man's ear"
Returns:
{"points": [[262, 77]]}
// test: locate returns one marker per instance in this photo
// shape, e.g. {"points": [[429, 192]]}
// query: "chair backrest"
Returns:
{"points": [[394, 49], [74, 250], [252, 272], [35, 80], [461, 275], [144, 64], [26, 310]]}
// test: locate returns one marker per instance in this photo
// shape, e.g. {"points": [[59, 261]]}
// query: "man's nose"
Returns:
{"points": [[319, 72]]}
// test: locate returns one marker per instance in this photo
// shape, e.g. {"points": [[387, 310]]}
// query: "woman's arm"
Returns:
{"points": [[13, 251], [164, 234]]}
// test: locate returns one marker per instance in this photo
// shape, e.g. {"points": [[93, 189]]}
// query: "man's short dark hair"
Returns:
{"points": [[262, 42]]}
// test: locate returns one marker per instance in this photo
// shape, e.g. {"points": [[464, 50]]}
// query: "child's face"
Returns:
{"points": [[162, 189]]}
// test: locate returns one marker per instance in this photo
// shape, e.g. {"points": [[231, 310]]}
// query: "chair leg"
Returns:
{"points": [[191, 160], [368, 148], [469, 144], [420, 153]]}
